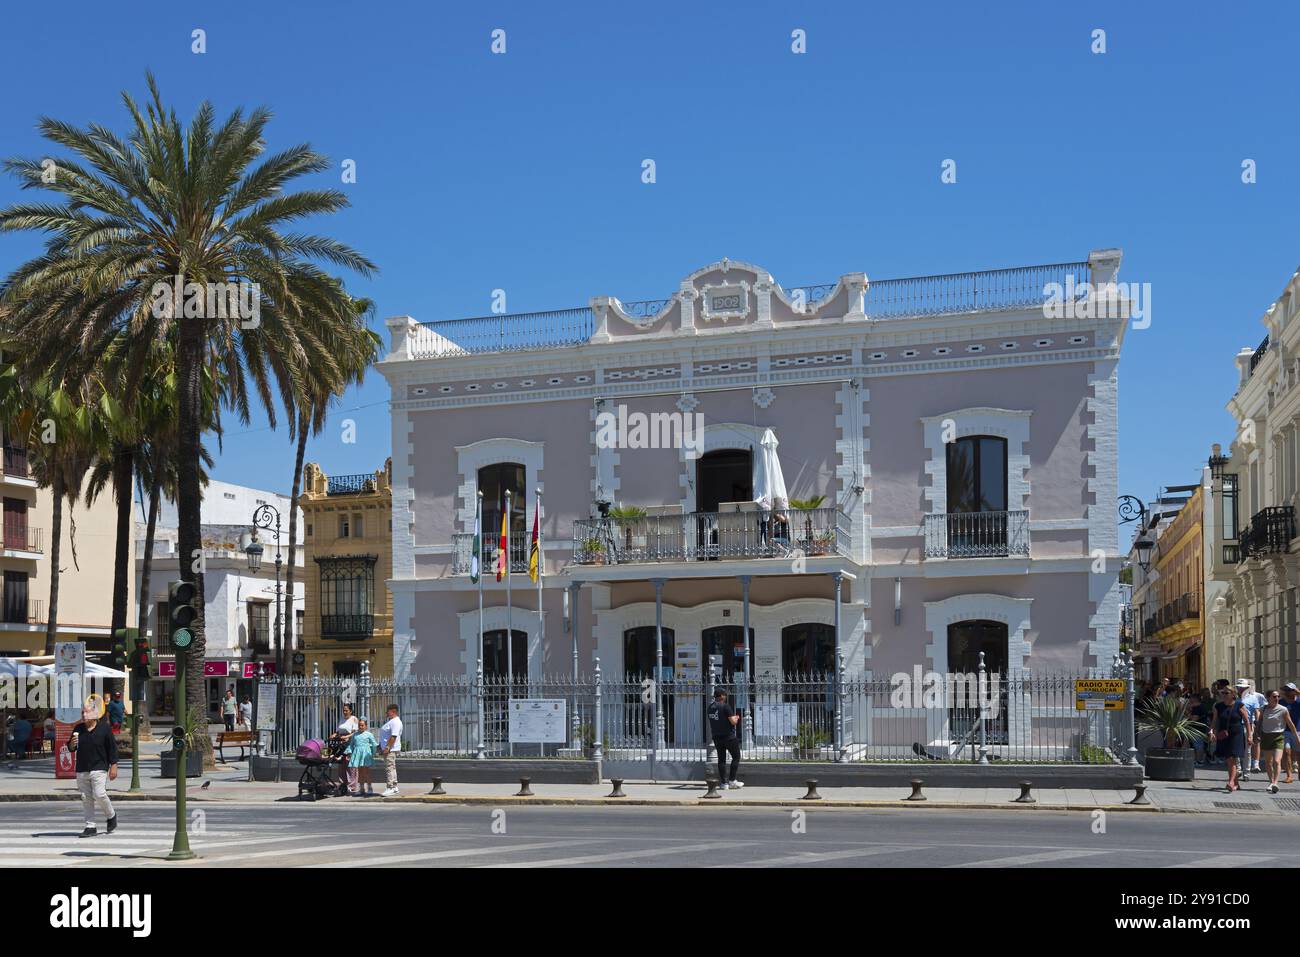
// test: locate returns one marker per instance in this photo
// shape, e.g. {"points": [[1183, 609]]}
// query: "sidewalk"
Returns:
{"points": [[34, 781]]}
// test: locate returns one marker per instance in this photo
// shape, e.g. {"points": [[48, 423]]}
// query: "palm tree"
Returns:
{"points": [[191, 208]]}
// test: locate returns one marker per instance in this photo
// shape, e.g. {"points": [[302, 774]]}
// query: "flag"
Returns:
{"points": [[534, 550], [503, 560], [478, 544]]}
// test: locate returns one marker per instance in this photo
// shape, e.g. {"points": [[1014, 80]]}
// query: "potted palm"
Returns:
{"points": [[593, 551], [810, 543], [632, 520], [1168, 717]]}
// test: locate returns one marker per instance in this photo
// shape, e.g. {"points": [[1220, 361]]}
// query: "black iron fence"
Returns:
{"points": [[1269, 533]]}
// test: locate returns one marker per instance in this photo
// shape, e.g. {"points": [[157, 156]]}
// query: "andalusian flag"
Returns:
{"points": [[478, 543], [534, 550], [503, 560]]}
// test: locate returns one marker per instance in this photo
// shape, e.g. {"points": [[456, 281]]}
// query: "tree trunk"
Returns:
{"points": [[146, 568], [56, 542], [293, 534], [189, 501], [123, 467]]}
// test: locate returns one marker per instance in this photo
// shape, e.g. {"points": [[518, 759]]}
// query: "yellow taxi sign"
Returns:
{"points": [[1100, 694]]}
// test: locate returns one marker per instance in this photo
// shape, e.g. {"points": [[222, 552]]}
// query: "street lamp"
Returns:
{"points": [[265, 517], [1218, 462], [1132, 508]]}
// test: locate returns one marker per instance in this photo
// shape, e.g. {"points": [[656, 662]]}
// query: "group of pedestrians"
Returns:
{"points": [[358, 745], [1243, 727], [236, 712]]}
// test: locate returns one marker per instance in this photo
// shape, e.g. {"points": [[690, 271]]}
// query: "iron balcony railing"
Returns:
{"points": [[509, 332], [1020, 287], [1258, 357], [16, 613], [977, 534], [1017, 288], [702, 536], [350, 484], [342, 627], [15, 461], [24, 538], [1183, 608], [1269, 533], [464, 545]]}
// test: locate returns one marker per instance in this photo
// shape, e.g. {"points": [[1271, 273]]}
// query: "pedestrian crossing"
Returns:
{"points": [[46, 836]]}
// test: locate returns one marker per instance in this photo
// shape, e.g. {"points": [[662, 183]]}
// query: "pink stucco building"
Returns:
{"points": [[961, 429]]}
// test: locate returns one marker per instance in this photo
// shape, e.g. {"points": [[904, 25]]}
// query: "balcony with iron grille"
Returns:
{"points": [[23, 541], [1269, 533], [977, 534], [16, 467], [347, 627], [17, 612], [464, 546], [746, 534], [1186, 607]]}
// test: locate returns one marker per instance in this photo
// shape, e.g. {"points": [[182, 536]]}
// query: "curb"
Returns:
{"points": [[760, 802]]}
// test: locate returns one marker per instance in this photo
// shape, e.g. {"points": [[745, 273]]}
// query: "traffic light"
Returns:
{"points": [[139, 662], [117, 657], [182, 598]]}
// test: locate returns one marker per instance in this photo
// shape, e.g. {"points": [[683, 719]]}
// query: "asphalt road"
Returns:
{"points": [[368, 834]]}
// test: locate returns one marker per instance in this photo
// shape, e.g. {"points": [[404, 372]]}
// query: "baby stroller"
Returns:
{"points": [[320, 777]]}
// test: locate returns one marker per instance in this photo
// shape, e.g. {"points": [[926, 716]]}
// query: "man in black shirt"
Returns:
{"points": [[722, 722], [96, 750]]}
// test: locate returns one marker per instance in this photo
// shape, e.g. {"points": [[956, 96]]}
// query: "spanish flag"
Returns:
{"points": [[535, 549], [503, 559]]}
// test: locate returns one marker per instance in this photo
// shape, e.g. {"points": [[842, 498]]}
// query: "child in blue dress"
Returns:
{"points": [[361, 755]]}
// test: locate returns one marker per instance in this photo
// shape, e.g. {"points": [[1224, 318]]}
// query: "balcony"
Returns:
{"points": [[464, 544], [1022, 287], [346, 627], [712, 536], [23, 538], [1186, 607], [16, 613], [977, 534], [1269, 533], [350, 484], [15, 462]]}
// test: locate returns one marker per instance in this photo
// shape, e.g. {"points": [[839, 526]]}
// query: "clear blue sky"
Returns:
{"points": [[522, 171]]}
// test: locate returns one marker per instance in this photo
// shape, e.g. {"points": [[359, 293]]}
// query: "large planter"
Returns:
{"points": [[1170, 764], [193, 764]]}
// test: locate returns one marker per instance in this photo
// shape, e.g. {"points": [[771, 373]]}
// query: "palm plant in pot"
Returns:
{"points": [[631, 518], [1168, 717], [809, 542]]}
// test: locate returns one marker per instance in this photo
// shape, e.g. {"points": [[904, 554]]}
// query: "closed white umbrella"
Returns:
{"points": [[769, 482]]}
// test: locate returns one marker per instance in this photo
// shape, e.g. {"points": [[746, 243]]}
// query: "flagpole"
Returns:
{"points": [[478, 527], [510, 623], [541, 573]]}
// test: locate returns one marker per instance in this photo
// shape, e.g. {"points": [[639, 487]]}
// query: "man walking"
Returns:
{"points": [[722, 723], [1254, 702], [229, 707], [390, 743], [96, 750]]}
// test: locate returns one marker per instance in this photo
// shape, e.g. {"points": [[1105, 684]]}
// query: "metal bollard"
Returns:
{"points": [[618, 788], [1141, 795], [1025, 797], [916, 794], [437, 787], [812, 794], [524, 790], [712, 792]]}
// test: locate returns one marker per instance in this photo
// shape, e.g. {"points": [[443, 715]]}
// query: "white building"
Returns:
{"points": [[239, 605]]}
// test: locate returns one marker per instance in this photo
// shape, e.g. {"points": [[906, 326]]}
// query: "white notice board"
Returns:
{"points": [[537, 721]]}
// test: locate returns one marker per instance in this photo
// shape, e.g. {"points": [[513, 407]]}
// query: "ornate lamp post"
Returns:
{"points": [[266, 517], [1132, 508]]}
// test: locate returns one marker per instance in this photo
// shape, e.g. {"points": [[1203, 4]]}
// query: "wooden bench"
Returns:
{"points": [[244, 740]]}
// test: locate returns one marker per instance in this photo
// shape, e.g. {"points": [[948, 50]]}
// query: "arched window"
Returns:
{"points": [[495, 656], [639, 651], [808, 648], [494, 481]]}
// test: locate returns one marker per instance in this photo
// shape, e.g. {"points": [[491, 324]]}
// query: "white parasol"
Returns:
{"points": [[769, 482]]}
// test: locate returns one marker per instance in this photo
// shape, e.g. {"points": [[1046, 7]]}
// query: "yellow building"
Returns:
{"points": [[349, 559], [85, 559], [1176, 611]]}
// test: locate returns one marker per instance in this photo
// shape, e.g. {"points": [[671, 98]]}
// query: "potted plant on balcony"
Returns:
{"points": [[809, 542], [1168, 717], [632, 520], [593, 550]]}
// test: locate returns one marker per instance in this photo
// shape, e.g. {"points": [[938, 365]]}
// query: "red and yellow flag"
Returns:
{"points": [[534, 550], [503, 559]]}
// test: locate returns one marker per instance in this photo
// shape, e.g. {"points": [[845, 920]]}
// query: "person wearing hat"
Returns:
{"points": [[1253, 702], [1291, 699]]}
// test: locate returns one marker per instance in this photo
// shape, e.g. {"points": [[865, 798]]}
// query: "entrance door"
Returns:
{"points": [[966, 639], [729, 642], [640, 653], [726, 475], [15, 523]]}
